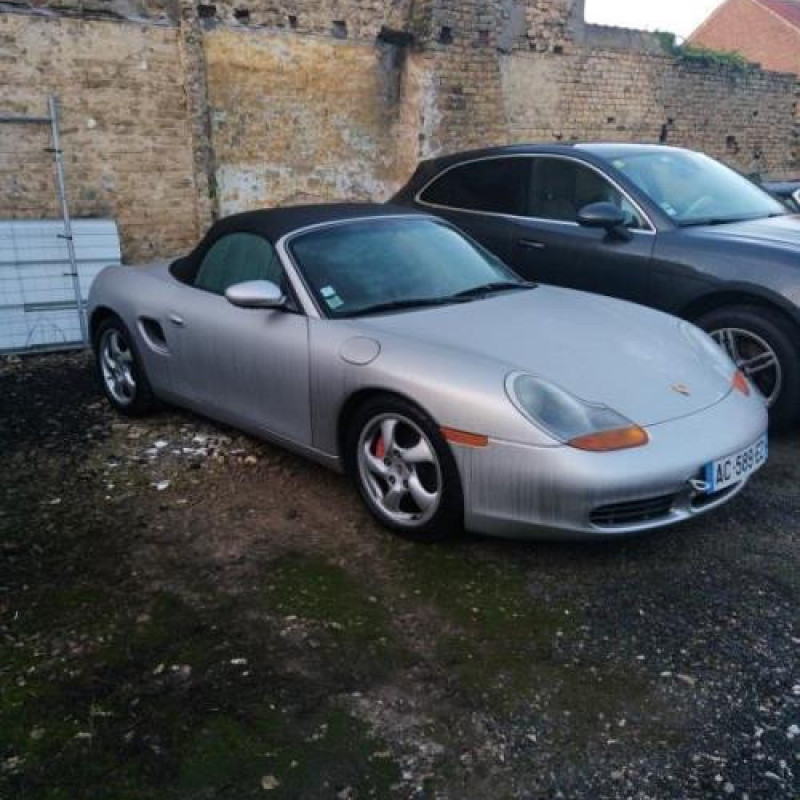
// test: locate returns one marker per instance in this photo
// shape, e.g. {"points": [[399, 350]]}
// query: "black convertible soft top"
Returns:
{"points": [[274, 223]]}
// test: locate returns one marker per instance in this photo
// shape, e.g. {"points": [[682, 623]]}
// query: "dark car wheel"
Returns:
{"points": [[405, 470], [765, 347], [124, 381]]}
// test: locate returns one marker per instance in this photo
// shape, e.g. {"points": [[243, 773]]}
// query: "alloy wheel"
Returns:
{"points": [[399, 469], [116, 364], [755, 358]]}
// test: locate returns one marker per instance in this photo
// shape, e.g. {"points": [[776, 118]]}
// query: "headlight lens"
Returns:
{"points": [[569, 419]]}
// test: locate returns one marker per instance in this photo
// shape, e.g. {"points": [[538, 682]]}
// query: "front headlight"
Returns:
{"points": [[569, 419]]}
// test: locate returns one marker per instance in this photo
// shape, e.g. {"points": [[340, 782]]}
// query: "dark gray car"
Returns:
{"points": [[662, 226], [788, 192]]}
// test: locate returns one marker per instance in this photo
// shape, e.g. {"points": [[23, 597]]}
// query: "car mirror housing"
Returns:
{"points": [[601, 215], [255, 294], [607, 216]]}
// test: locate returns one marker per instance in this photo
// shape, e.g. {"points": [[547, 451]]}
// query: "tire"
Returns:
{"points": [[743, 331], [120, 370], [399, 460]]}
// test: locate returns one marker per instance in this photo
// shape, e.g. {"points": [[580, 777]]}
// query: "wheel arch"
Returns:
{"points": [[352, 404], [98, 316], [741, 297]]}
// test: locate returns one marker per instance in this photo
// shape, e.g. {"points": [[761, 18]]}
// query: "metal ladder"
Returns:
{"points": [[55, 149]]}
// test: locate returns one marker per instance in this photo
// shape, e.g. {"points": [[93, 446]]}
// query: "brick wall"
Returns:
{"points": [[196, 110], [304, 119], [761, 36], [744, 117], [124, 129]]}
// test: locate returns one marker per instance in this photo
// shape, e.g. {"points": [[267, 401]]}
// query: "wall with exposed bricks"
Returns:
{"points": [[174, 112]]}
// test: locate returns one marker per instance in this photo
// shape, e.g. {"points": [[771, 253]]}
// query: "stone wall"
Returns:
{"points": [[744, 117], [305, 118], [177, 111], [124, 128]]}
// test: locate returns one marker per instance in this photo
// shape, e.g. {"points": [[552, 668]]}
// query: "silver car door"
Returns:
{"points": [[245, 366]]}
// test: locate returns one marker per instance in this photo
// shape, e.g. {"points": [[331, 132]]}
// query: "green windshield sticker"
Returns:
{"points": [[334, 302]]}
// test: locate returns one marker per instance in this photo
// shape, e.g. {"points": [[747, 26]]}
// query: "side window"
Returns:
{"points": [[235, 258], [497, 185], [560, 188]]}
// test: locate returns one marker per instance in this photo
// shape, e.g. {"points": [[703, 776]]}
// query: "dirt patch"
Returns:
{"points": [[186, 612]]}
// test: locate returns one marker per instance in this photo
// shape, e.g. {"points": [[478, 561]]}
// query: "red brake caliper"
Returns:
{"points": [[380, 448]]}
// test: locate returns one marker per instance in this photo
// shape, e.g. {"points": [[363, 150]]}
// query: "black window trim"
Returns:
{"points": [[293, 306], [287, 256], [649, 231]]}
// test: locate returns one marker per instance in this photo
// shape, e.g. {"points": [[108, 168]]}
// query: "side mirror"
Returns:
{"points": [[601, 215], [607, 216], [255, 294]]}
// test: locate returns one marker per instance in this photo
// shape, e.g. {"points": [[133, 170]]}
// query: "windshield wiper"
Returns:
{"points": [[426, 302], [497, 286], [400, 305], [695, 223]]}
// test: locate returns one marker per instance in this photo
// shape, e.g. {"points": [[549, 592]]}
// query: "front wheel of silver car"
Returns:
{"points": [[763, 344], [124, 381], [405, 470]]}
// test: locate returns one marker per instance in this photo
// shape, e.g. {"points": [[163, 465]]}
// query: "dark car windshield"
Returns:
{"points": [[383, 264], [694, 189]]}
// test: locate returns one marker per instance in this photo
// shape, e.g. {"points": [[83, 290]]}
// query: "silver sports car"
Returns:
{"points": [[384, 342]]}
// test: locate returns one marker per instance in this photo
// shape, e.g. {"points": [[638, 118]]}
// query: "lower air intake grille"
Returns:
{"points": [[631, 513]]}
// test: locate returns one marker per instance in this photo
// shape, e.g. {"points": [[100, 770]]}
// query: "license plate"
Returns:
{"points": [[732, 469]]}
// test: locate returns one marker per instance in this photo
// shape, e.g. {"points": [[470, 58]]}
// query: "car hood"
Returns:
{"points": [[631, 358], [782, 231]]}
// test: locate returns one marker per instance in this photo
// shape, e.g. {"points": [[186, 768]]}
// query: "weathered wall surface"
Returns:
{"points": [[742, 116], [124, 128], [304, 118], [198, 109]]}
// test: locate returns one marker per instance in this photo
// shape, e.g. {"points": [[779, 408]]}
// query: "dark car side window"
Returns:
{"points": [[560, 188], [235, 258], [497, 185]]}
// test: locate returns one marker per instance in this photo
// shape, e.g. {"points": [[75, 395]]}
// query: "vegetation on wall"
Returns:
{"points": [[702, 55]]}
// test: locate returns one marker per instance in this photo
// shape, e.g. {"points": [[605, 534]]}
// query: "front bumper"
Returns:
{"points": [[516, 490]]}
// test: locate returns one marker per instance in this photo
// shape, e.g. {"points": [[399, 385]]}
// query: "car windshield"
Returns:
{"points": [[693, 189], [387, 264]]}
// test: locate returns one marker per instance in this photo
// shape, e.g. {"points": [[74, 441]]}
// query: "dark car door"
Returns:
{"points": [[548, 245], [524, 208]]}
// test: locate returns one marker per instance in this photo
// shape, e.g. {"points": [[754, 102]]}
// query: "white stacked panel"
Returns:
{"points": [[38, 307]]}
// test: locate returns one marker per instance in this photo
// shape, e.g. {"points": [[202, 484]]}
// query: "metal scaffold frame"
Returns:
{"points": [[55, 149]]}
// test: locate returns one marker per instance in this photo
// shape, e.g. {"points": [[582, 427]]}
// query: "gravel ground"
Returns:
{"points": [[186, 612]]}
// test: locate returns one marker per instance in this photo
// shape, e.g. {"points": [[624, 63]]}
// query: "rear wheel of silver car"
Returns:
{"points": [[405, 470], [124, 382], [765, 348]]}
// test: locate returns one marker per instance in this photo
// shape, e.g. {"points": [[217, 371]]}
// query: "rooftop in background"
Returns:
{"points": [[766, 32], [788, 9]]}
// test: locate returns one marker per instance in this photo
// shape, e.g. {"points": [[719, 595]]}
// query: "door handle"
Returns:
{"points": [[531, 244], [177, 320]]}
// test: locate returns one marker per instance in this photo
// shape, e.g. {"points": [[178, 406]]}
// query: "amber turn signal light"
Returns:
{"points": [[741, 383], [464, 438], [617, 439]]}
